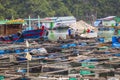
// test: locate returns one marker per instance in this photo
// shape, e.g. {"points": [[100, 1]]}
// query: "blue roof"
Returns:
{"points": [[97, 22]]}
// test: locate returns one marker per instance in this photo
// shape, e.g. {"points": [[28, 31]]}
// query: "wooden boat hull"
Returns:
{"points": [[19, 37]]}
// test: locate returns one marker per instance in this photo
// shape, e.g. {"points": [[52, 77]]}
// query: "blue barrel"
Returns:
{"points": [[64, 46], [101, 40], [83, 44], [7, 51], [26, 50], [2, 51], [17, 51], [118, 55], [114, 39], [116, 45], [72, 45], [22, 70]]}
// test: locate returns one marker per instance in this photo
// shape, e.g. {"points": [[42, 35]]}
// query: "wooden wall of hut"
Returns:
{"points": [[10, 29], [2, 30]]}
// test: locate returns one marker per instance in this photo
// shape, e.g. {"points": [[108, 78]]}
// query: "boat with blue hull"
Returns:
{"points": [[20, 37], [13, 31]]}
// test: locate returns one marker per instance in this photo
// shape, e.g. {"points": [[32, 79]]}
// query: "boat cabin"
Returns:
{"points": [[8, 27]]}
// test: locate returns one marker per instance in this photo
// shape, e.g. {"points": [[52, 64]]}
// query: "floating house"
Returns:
{"points": [[63, 21], [8, 27], [108, 27], [14, 31], [107, 21], [50, 22]]}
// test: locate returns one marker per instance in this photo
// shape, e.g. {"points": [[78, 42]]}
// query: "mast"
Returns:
{"points": [[39, 22], [29, 23]]}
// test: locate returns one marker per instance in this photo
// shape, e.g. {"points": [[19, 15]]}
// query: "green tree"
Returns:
{"points": [[81, 9], [59, 8]]}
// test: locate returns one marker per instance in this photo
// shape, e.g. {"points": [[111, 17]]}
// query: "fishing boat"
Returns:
{"points": [[13, 31]]}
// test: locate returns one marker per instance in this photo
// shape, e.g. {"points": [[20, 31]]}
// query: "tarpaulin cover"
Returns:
{"points": [[81, 26], [97, 23]]}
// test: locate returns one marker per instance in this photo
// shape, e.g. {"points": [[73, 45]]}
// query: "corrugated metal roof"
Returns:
{"points": [[18, 21], [3, 22], [61, 18], [108, 18], [55, 19]]}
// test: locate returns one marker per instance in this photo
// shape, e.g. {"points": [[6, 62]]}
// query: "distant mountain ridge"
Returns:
{"points": [[81, 9]]}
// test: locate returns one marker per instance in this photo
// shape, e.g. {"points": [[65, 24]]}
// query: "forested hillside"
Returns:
{"points": [[81, 9]]}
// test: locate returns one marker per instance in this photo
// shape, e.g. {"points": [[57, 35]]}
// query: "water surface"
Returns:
{"points": [[55, 34]]}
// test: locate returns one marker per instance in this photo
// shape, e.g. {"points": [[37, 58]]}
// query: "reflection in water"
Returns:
{"points": [[107, 35], [52, 35], [55, 34]]}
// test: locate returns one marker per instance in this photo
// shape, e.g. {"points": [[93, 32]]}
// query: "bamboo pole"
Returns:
{"points": [[27, 67]]}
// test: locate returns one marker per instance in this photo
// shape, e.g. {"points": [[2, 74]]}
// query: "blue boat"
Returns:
{"points": [[13, 31]]}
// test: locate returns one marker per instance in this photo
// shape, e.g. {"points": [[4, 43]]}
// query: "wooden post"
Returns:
{"points": [[96, 75], [29, 23], [12, 58], [28, 56], [27, 67], [42, 68]]}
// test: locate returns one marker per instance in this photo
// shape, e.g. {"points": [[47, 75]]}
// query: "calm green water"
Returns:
{"points": [[55, 34], [106, 34]]}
